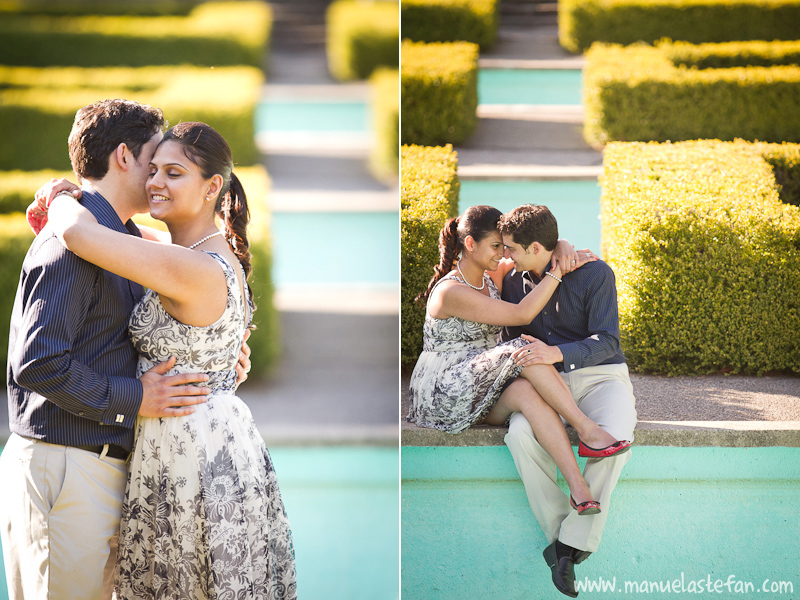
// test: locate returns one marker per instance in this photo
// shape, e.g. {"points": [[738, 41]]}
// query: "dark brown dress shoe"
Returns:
{"points": [[580, 555], [559, 558]]}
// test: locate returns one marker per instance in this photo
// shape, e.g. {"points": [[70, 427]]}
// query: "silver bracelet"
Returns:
{"points": [[558, 279]]}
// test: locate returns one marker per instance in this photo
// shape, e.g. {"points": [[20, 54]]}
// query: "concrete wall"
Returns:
{"points": [[726, 516]]}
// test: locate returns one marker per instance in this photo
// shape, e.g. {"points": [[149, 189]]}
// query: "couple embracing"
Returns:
{"points": [[133, 468], [534, 346]]}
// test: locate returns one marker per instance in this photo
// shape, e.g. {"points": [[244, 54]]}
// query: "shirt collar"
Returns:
{"points": [[527, 282], [105, 214]]}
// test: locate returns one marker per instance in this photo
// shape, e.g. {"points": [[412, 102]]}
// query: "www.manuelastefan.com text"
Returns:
{"points": [[708, 585]]}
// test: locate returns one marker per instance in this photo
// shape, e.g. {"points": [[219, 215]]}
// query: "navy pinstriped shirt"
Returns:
{"points": [[71, 365], [581, 317]]}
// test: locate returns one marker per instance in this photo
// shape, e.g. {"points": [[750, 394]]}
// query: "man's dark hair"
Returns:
{"points": [[100, 127], [530, 223]]}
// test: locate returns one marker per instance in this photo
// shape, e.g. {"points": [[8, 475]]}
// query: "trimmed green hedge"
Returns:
{"points": [[37, 106], [154, 8], [384, 159], [732, 54], [583, 22], [430, 186], [361, 37], [438, 92], [16, 236], [637, 93], [707, 256], [214, 33], [17, 187], [450, 21], [785, 161]]}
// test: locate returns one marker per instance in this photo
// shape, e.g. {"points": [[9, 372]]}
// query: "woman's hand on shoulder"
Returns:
{"points": [[569, 259], [70, 220], [37, 212]]}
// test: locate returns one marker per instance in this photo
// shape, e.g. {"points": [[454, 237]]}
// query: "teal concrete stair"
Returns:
{"points": [[683, 520]]}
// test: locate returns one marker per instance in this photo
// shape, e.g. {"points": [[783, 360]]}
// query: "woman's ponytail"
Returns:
{"points": [[476, 222], [235, 216]]}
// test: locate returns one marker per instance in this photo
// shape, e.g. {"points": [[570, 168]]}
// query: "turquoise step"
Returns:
{"points": [[721, 516], [335, 247], [530, 86], [299, 115], [574, 203]]}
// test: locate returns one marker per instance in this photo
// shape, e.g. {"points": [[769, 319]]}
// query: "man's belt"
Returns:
{"points": [[113, 451]]}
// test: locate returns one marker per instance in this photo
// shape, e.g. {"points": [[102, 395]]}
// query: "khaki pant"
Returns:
{"points": [[604, 394], [60, 509]]}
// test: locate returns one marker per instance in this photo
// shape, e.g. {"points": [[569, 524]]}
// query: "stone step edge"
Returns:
{"points": [[648, 433], [573, 114], [305, 201], [344, 298], [529, 172], [576, 63], [336, 144], [316, 92]]}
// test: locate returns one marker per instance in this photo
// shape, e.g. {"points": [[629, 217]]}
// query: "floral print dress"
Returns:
{"points": [[461, 372], [202, 516]]}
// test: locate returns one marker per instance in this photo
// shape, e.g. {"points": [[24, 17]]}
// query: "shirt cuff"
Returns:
{"points": [[572, 357], [125, 399]]}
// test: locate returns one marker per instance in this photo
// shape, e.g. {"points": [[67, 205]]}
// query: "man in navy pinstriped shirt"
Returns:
{"points": [[73, 396], [577, 332]]}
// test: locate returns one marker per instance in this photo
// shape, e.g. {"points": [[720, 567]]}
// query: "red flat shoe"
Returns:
{"points": [[616, 448], [590, 507]]}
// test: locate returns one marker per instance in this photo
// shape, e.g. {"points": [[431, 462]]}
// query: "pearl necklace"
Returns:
{"points": [[464, 279], [208, 237]]}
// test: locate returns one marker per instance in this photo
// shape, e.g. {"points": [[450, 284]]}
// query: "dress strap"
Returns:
{"points": [[230, 277]]}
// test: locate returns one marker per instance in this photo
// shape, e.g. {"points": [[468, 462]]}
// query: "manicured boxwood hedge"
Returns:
{"points": [[361, 37], [438, 92], [154, 8], [15, 237], [385, 84], [17, 187], [637, 93], [213, 33], [429, 184], [583, 22], [37, 106], [707, 256], [450, 21], [732, 54]]}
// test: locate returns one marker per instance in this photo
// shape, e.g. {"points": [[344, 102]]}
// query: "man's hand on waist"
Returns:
{"points": [[537, 353], [171, 395]]}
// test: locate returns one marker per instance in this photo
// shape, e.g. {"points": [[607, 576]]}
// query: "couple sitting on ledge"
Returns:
{"points": [[535, 346]]}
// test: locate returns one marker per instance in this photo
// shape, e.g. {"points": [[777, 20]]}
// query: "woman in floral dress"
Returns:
{"points": [[203, 516], [463, 375]]}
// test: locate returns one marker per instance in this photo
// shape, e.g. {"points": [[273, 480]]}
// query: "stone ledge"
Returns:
{"points": [[576, 63], [738, 434], [708, 410]]}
